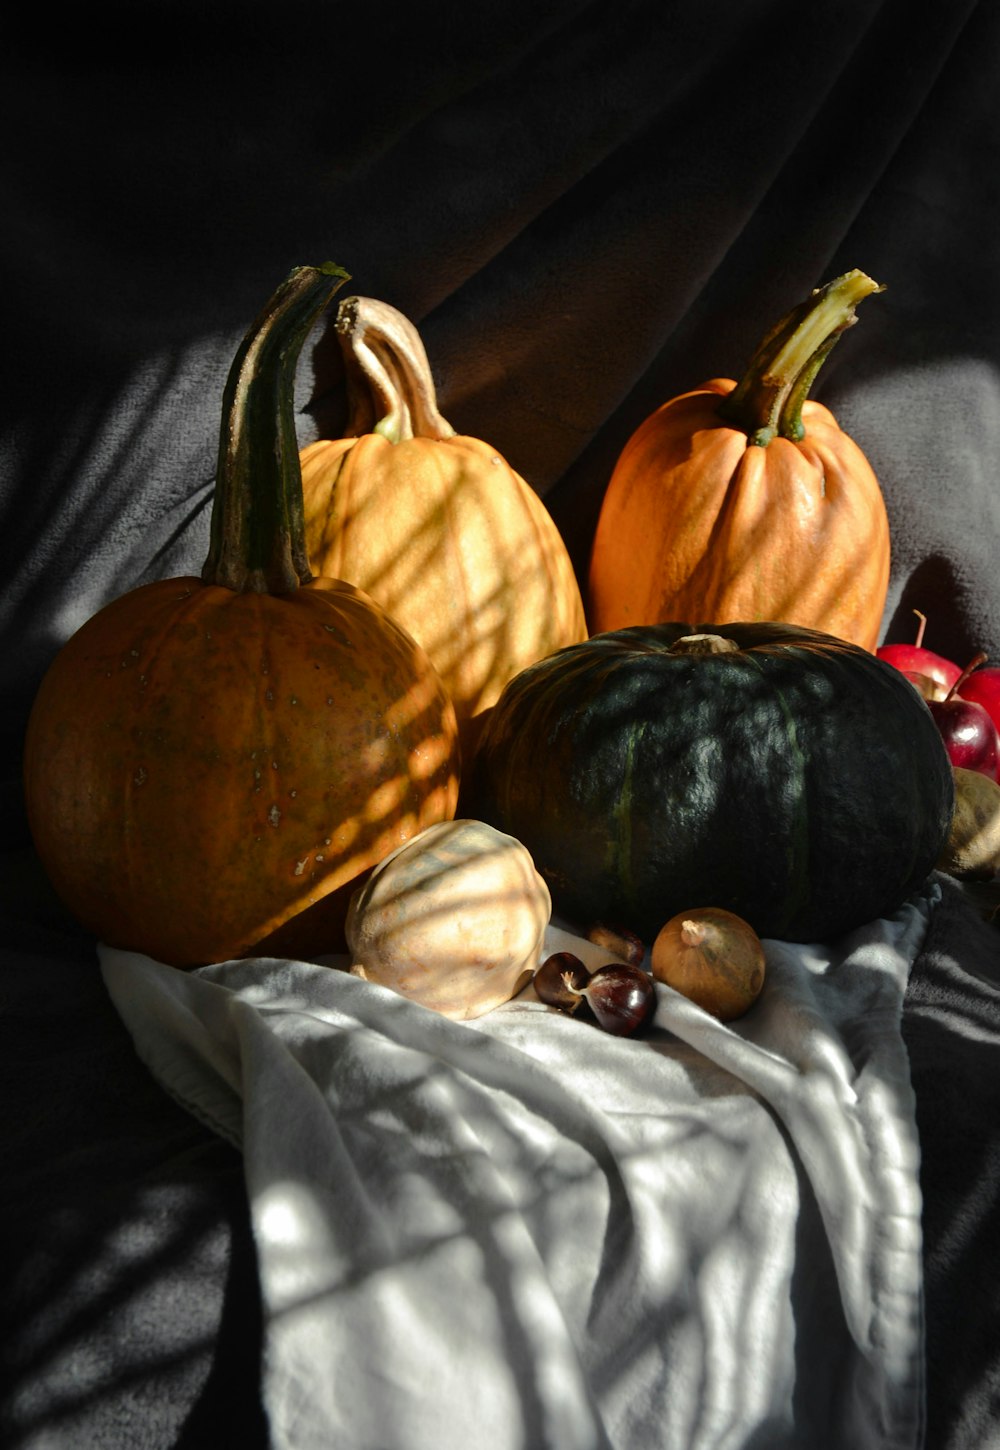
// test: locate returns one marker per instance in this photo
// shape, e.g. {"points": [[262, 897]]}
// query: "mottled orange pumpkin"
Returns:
{"points": [[435, 525], [747, 501], [212, 764]]}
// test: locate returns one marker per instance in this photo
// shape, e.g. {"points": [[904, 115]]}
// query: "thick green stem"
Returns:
{"points": [[767, 401], [258, 532]]}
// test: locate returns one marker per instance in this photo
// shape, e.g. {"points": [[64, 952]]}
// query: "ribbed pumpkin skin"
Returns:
{"points": [[699, 523], [795, 781], [455, 545], [203, 765]]}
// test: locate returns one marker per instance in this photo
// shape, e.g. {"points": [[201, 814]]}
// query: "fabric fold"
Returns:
{"points": [[523, 1232]]}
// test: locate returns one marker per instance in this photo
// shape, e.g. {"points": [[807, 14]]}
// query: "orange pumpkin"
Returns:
{"points": [[434, 525], [746, 501], [212, 764]]}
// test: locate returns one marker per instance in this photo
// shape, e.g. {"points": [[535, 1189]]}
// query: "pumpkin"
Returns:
{"points": [[212, 763], [774, 771], [434, 525], [747, 501], [453, 920]]}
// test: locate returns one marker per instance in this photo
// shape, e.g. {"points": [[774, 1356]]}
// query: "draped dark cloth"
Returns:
{"points": [[585, 209]]}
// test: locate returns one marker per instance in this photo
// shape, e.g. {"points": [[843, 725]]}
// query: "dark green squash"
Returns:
{"points": [[781, 773]]}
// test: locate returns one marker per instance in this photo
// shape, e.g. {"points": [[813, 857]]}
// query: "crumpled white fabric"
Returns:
{"points": [[525, 1234]]}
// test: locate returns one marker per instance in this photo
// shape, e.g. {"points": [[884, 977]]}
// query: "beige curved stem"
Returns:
{"points": [[390, 389]]}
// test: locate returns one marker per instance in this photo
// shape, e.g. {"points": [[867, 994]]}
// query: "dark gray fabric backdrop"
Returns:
{"points": [[585, 208]]}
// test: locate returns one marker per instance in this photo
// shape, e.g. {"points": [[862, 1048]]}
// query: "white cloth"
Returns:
{"points": [[522, 1233]]}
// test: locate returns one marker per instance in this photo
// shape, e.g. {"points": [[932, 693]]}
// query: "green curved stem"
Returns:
{"points": [[257, 541], [790, 423], [767, 401]]}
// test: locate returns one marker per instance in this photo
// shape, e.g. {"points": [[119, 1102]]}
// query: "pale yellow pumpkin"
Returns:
{"points": [[436, 526]]}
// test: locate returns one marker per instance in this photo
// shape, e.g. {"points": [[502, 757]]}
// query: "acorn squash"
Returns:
{"points": [[453, 920], [777, 772]]}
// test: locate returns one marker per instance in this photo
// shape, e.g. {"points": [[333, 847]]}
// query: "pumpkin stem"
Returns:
{"points": [[390, 389], [704, 644], [257, 541], [767, 401]]}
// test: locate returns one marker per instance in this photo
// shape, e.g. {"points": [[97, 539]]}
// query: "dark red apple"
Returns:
{"points": [[970, 736], [932, 674], [983, 686]]}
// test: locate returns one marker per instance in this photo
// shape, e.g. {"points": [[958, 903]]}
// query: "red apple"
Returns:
{"points": [[970, 736], [983, 686], [932, 674]]}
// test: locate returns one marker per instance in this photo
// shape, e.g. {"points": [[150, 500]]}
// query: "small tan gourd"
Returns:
{"points": [[973, 847], [454, 920], [713, 957]]}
